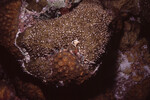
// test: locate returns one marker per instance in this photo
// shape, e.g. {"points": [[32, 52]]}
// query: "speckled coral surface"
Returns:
{"points": [[88, 23]]}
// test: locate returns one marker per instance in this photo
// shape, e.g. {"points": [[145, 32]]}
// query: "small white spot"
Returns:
{"points": [[125, 64], [61, 83], [75, 42], [145, 46], [147, 69], [37, 1]]}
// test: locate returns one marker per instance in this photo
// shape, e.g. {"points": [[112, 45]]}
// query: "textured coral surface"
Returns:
{"points": [[83, 32], [9, 24]]}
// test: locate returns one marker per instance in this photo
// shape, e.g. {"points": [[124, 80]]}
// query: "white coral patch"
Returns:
{"points": [[125, 64], [57, 3], [147, 69]]}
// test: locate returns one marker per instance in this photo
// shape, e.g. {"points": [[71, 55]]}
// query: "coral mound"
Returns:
{"points": [[83, 33]]}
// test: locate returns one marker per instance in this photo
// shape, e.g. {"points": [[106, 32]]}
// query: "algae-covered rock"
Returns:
{"points": [[131, 6], [65, 49], [131, 34]]}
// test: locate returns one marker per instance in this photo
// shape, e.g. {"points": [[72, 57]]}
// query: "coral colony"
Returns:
{"points": [[64, 49]]}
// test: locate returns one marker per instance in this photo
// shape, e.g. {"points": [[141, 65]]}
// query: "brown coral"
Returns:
{"points": [[36, 6], [139, 91], [9, 14], [68, 68], [85, 29], [29, 90], [122, 6], [7, 92], [131, 34]]}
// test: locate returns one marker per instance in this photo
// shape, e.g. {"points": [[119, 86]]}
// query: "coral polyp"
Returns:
{"points": [[66, 67]]}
